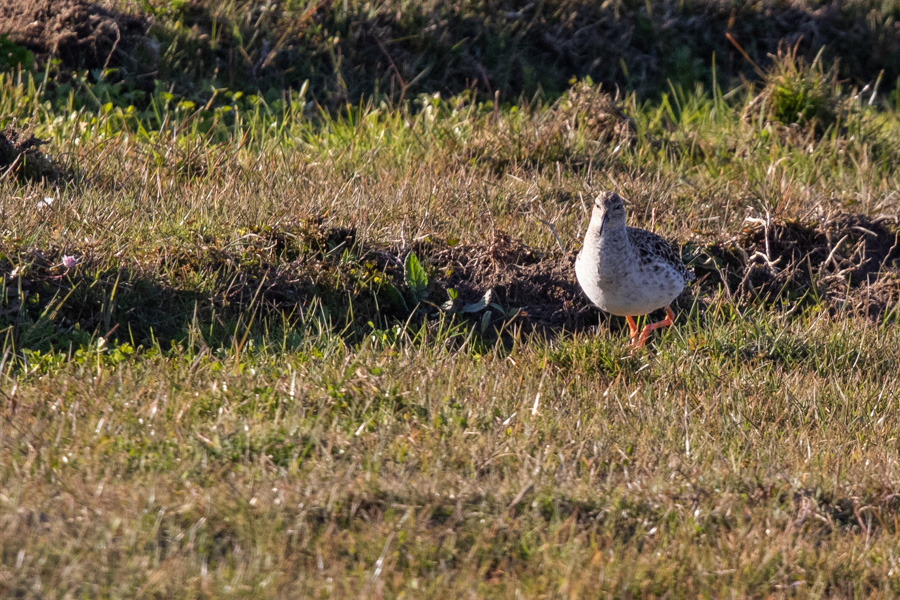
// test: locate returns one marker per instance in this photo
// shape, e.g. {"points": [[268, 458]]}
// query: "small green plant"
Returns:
{"points": [[14, 56], [806, 94], [415, 277]]}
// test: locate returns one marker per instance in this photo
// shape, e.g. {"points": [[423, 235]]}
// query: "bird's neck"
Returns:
{"points": [[613, 250], [613, 234]]}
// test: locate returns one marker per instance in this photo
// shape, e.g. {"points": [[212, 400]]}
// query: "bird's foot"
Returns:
{"points": [[640, 341]]}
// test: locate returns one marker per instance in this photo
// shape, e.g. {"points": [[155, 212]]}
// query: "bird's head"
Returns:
{"points": [[609, 210]]}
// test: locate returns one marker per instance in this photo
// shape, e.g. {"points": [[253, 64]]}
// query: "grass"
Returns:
{"points": [[244, 389], [353, 49], [746, 454]]}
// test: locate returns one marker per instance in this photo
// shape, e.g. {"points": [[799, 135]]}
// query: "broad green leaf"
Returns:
{"points": [[415, 276], [395, 297], [479, 306]]}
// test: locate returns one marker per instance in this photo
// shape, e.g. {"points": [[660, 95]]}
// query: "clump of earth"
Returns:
{"points": [[83, 35], [21, 156]]}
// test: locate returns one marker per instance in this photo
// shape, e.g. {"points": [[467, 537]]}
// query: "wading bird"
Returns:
{"points": [[628, 271]]}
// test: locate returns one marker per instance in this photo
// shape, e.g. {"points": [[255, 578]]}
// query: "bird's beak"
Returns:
{"points": [[603, 223]]}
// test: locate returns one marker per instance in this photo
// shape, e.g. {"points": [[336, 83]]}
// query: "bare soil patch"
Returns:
{"points": [[81, 34], [21, 156], [535, 287], [849, 261]]}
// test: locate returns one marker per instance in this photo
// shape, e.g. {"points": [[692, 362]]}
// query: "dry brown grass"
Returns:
{"points": [[225, 397]]}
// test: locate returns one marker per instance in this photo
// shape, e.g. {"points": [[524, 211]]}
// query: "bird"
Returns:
{"points": [[627, 271]]}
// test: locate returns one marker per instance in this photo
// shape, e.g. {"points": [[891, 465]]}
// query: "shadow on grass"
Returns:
{"points": [[200, 293], [222, 292], [817, 514], [219, 293], [348, 51]]}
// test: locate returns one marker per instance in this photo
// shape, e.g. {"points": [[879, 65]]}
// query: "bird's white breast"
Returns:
{"points": [[625, 288]]}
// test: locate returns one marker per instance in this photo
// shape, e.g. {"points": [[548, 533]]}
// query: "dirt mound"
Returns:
{"points": [[20, 155], [81, 34], [846, 260], [536, 287]]}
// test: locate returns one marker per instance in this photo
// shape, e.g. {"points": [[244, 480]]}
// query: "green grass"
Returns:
{"points": [[244, 389], [743, 454], [353, 49]]}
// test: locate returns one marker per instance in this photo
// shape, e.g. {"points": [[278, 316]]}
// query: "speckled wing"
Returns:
{"points": [[648, 244]]}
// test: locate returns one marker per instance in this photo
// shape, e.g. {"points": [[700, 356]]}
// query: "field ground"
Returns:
{"points": [[278, 348]]}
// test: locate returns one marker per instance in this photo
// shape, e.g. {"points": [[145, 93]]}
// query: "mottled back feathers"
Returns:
{"points": [[651, 247]]}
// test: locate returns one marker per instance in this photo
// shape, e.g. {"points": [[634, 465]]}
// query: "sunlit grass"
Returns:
{"points": [[224, 397]]}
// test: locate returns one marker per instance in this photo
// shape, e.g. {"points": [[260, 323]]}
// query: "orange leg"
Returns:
{"points": [[634, 329], [670, 318]]}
